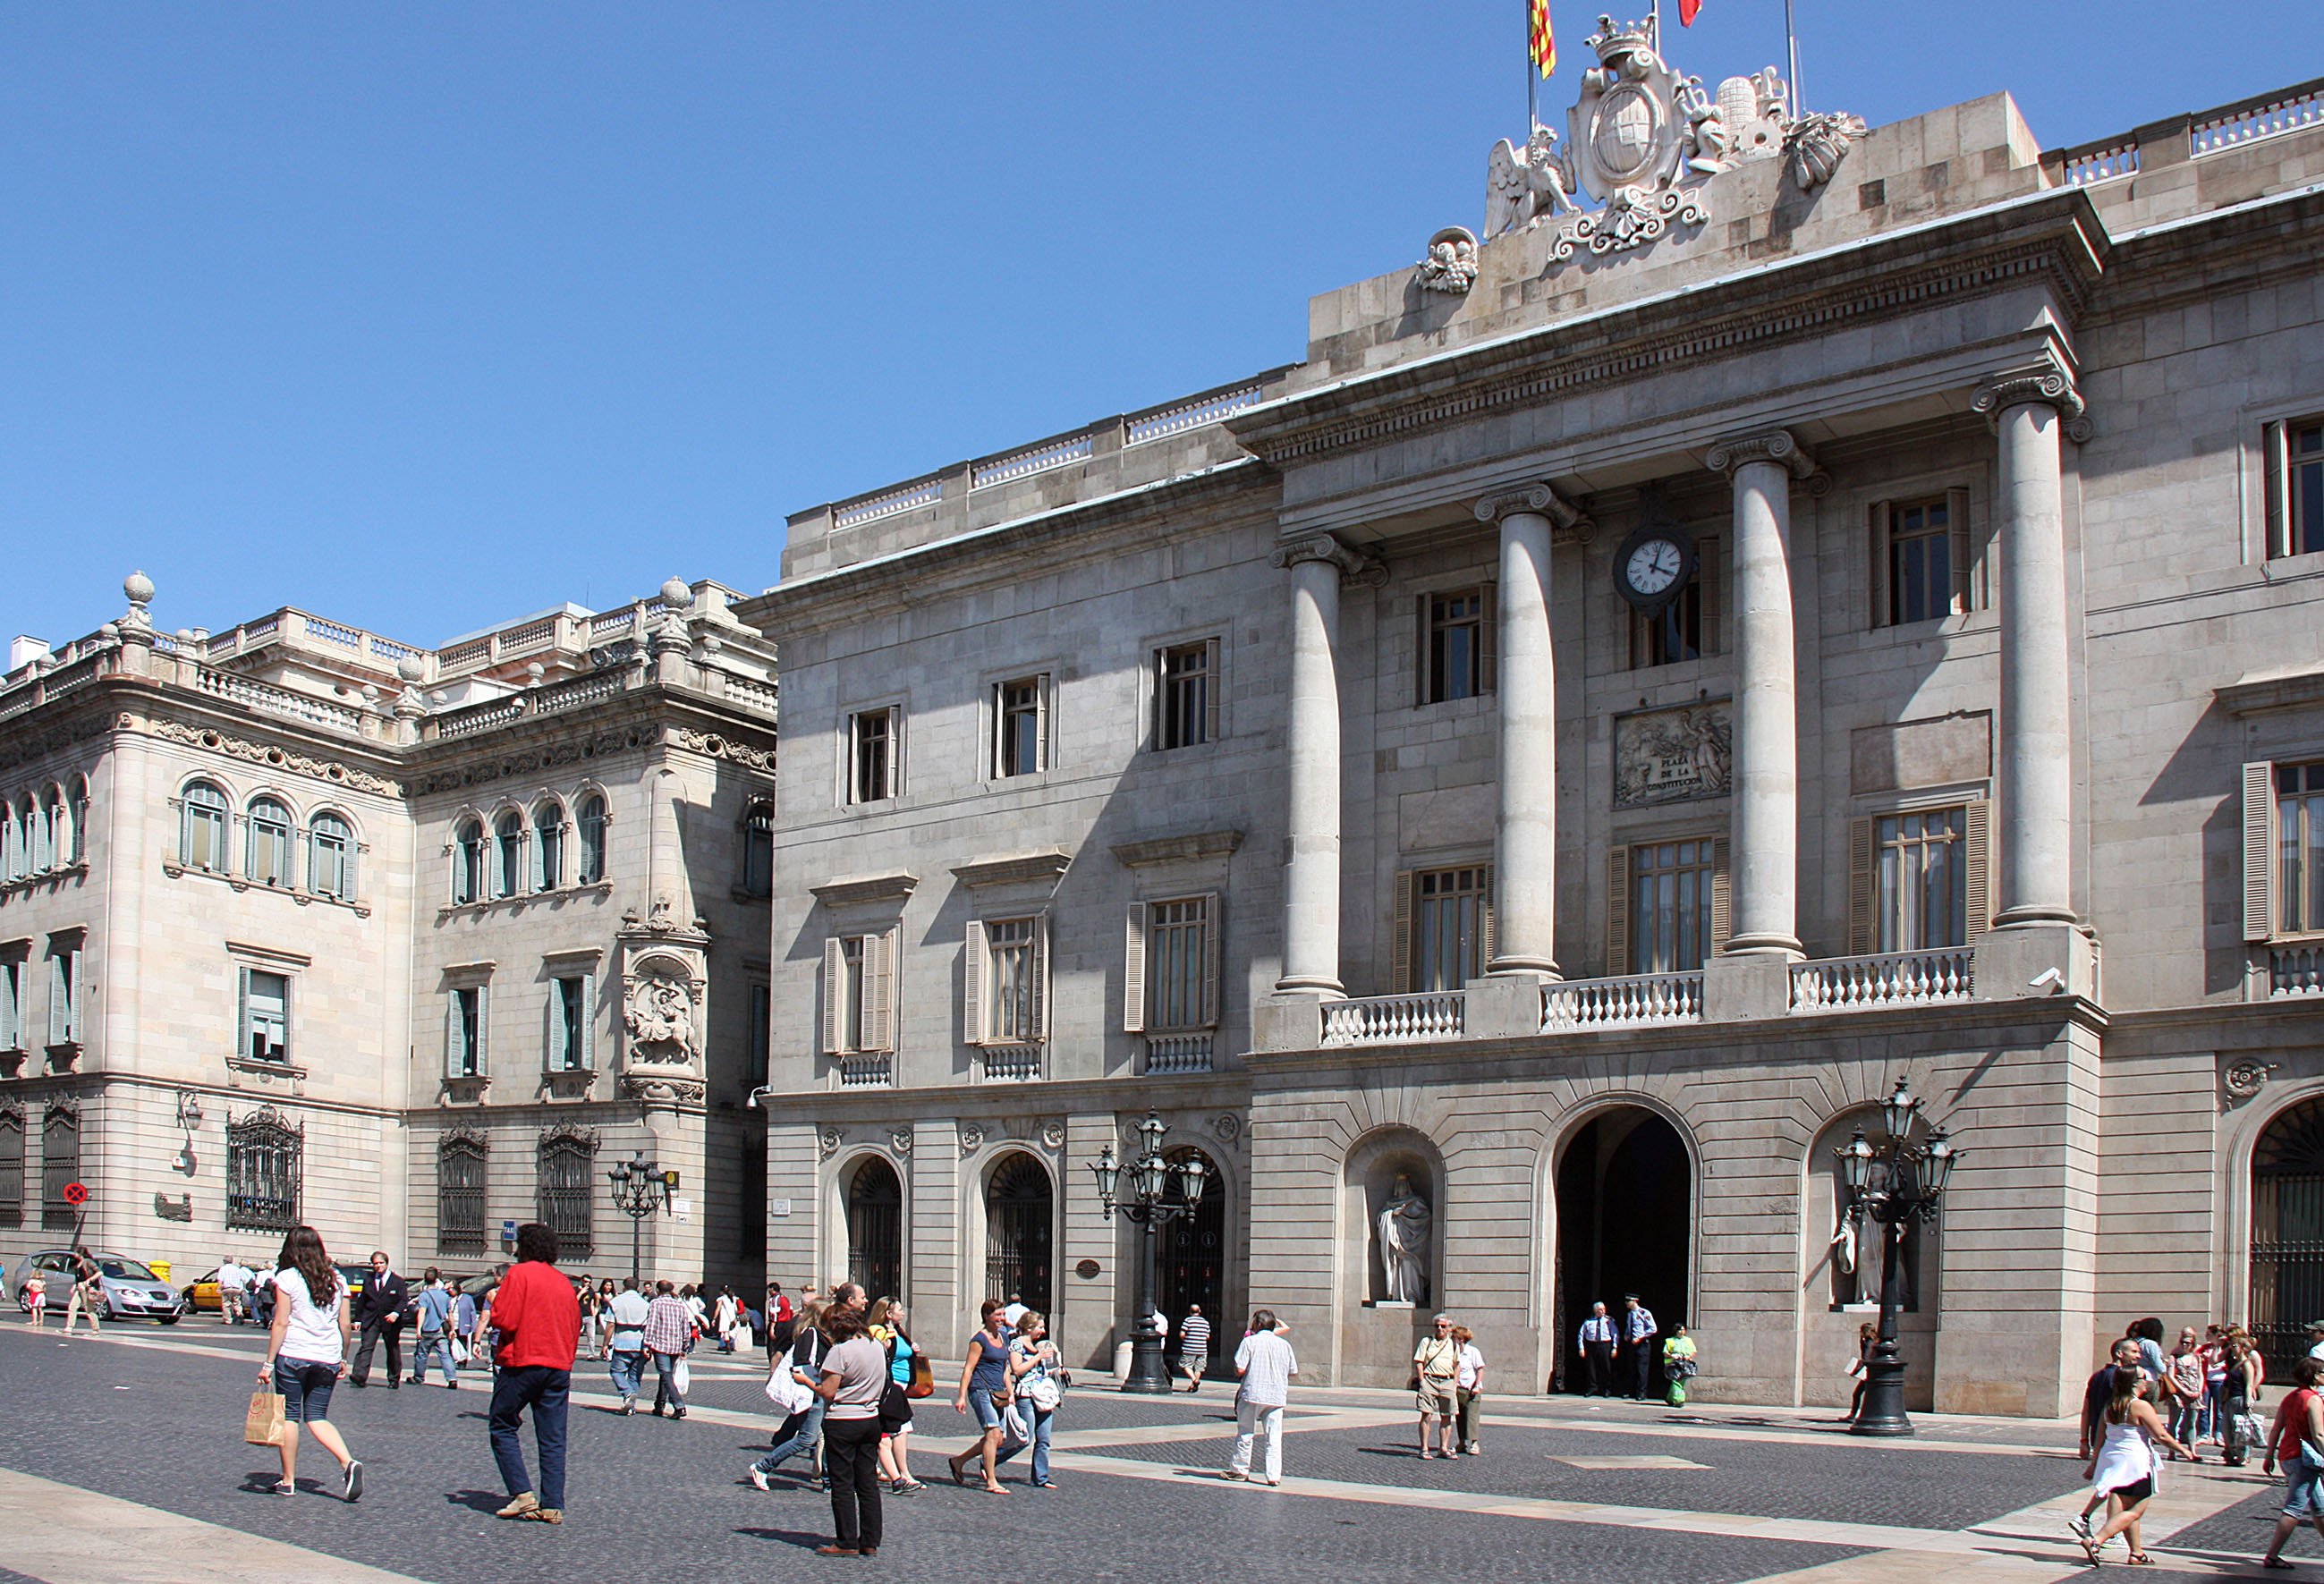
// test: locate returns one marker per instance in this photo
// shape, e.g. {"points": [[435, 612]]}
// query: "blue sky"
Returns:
{"points": [[421, 316]]}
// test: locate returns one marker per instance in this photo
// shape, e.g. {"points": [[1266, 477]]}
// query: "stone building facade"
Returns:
{"points": [[299, 922], [1845, 610]]}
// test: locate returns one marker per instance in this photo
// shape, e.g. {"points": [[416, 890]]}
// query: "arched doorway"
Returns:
{"points": [[1193, 1250], [875, 1229], [1624, 1219], [1018, 1215], [2287, 1233]]}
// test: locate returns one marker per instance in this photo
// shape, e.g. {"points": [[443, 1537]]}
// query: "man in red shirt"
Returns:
{"points": [[539, 1319]]}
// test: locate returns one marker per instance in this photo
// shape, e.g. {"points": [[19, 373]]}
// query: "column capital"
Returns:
{"points": [[1355, 566], [2044, 381], [1569, 523], [1776, 445]]}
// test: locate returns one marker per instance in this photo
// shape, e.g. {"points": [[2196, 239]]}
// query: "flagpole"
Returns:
{"points": [[1533, 75], [1792, 45]]}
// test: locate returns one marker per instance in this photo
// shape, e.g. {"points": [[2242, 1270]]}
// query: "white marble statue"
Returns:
{"points": [[1404, 1223], [1521, 190], [660, 1021]]}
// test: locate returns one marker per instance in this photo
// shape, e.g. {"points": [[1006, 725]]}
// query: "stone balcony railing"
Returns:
{"points": [[1634, 1001], [2296, 970], [1395, 1020], [1890, 979], [1178, 1053], [2188, 137], [867, 1070]]}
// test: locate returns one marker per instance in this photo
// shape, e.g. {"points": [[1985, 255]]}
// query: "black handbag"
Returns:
{"points": [[895, 1409]]}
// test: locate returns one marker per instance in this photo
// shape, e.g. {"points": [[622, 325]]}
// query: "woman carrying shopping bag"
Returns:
{"points": [[306, 1355]]}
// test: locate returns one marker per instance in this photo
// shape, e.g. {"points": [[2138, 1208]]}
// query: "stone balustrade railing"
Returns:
{"points": [[2296, 970], [1035, 459], [1178, 1053], [2103, 162], [278, 701], [1888, 979], [1193, 413], [1630, 1001], [2189, 136], [867, 1070], [927, 491], [1395, 1020], [749, 691], [1012, 1063], [2265, 116]]}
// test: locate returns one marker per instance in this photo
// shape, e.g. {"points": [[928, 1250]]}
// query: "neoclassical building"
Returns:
{"points": [[1847, 607], [299, 922]]}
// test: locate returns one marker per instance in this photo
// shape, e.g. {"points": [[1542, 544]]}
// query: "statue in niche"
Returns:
{"points": [[1404, 1224], [660, 1020], [1848, 1280]]}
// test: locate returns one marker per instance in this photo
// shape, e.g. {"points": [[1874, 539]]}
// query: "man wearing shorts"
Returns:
{"points": [[1435, 1374]]}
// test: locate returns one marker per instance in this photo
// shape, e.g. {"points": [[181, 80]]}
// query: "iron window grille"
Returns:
{"points": [[265, 1157], [565, 1191], [460, 1196]]}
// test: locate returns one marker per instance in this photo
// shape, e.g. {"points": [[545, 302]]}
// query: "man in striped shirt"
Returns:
{"points": [[668, 1338], [1194, 1346]]}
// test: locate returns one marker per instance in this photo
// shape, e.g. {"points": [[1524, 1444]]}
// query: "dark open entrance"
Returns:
{"points": [[875, 1229], [1017, 1234], [1192, 1254], [1625, 1212], [2287, 1232]]}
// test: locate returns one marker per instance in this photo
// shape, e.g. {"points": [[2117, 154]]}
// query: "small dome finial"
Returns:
{"points": [[139, 588], [676, 594]]}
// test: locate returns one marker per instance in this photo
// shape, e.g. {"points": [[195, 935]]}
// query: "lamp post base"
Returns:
{"points": [[1882, 1413], [1148, 1370]]}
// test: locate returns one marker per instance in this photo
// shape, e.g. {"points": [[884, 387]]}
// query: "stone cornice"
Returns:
{"points": [[2255, 694], [1776, 445], [1015, 868], [2053, 237], [847, 890], [1192, 848], [1568, 524], [1355, 566], [2045, 382]]}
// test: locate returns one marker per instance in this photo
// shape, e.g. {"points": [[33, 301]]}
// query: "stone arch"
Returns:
{"points": [[1624, 1175], [1017, 1199], [869, 1219], [1378, 1333]]}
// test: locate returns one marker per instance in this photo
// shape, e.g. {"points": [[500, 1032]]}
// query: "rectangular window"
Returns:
{"points": [[60, 1169], [564, 1189], [1919, 561], [1922, 878], [264, 1156], [1012, 968], [569, 1023], [1186, 694], [762, 1033], [64, 994], [1456, 630], [1180, 966], [872, 755], [858, 993], [1443, 927], [12, 1171], [265, 1016], [460, 1196], [1020, 727], [2300, 848], [464, 1032], [1671, 897], [2295, 463]]}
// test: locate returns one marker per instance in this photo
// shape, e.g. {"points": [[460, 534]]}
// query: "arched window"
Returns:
{"points": [[759, 850], [591, 819], [467, 861], [79, 819], [548, 847], [201, 833], [508, 854], [270, 842], [331, 857]]}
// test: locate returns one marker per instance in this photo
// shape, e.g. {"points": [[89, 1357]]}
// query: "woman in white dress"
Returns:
{"points": [[2125, 1469]]}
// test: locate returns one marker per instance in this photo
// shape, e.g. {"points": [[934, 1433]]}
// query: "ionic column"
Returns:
{"points": [[1764, 883], [1311, 890], [1524, 828], [2026, 408]]}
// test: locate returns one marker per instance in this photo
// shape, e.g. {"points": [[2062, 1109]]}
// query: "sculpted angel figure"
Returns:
{"points": [[1520, 191]]}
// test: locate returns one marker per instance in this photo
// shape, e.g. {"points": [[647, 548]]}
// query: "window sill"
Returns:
{"points": [[519, 903], [265, 1067], [466, 1091], [55, 875], [12, 1062], [561, 1082], [64, 1057], [176, 871]]}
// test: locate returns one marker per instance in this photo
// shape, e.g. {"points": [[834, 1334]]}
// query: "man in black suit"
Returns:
{"points": [[380, 1311]]}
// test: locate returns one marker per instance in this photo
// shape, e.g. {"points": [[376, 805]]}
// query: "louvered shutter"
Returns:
{"points": [[1489, 637], [483, 1029], [60, 998], [589, 1022], [1486, 938], [553, 1028], [1966, 596], [451, 1035], [1041, 685], [896, 750], [834, 995], [1213, 925], [242, 1011], [1213, 685], [1408, 882], [1423, 650], [1133, 970], [974, 957], [1877, 566], [1977, 826], [1617, 912], [1723, 892], [1863, 931], [879, 1016], [2275, 477], [1039, 976], [2260, 879], [1708, 572]]}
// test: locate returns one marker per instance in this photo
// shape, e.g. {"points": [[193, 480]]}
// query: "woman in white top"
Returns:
{"points": [[306, 1354], [2125, 1469], [1468, 1384]]}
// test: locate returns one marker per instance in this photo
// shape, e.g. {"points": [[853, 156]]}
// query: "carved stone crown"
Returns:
{"points": [[1613, 42]]}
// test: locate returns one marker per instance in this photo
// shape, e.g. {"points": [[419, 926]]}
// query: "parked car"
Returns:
{"points": [[132, 1291]]}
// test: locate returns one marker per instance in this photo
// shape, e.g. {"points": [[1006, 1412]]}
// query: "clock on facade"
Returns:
{"points": [[1653, 564]]}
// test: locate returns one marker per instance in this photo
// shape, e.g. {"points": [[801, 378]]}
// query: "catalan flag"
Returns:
{"points": [[1541, 37]]}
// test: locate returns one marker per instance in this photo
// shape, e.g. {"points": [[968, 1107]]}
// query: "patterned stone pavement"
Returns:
{"points": [[142, 1431]]}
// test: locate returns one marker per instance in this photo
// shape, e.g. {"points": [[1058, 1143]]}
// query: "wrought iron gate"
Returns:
{"points": [[875, 1230], [2287, 1229], [1018, 1211], [1193, 1255]]}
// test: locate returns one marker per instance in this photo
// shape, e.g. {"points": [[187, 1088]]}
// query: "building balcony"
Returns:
{"points": [[2296, 970], [1179, 1053], [868, 1070]]}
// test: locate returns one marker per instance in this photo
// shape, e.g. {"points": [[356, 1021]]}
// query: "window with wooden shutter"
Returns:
{"points": [[834, 995], [1978, 867], [1400, 936], [1722, 896], [1876, 542], [880, 991], [1617, 912], [1213, 928], [1860, 924], [1968, 592], [1037, 976], [1213, 693], [2299, 868], [973, 966], [1133, 970], [2259, 851]]}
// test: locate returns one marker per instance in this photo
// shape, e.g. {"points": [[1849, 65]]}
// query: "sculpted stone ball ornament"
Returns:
{"points": [[1451, 265], [1404, 1225]]}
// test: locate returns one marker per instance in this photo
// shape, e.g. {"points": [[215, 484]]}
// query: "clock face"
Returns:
{"points": [[1654, 566]]}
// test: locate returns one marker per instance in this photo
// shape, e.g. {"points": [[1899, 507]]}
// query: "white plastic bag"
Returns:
{"points": [[459, 1351], [682, 1377]]}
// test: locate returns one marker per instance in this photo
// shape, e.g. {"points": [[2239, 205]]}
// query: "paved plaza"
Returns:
{"points": [[122, 1462]]}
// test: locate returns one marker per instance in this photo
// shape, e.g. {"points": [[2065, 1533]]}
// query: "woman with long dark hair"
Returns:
{"points": [[306, 1354]]}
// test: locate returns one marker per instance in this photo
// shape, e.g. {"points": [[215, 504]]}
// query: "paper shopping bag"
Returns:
{"points": [[263, 1425]]}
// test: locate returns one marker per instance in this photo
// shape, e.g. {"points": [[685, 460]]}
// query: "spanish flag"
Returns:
{"points": [[1541, 37], [1687, 10]]}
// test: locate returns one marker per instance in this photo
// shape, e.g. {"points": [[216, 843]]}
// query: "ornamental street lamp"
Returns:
{"points": [[641, 1187], [1147, 1203], [1896, 1182]]}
